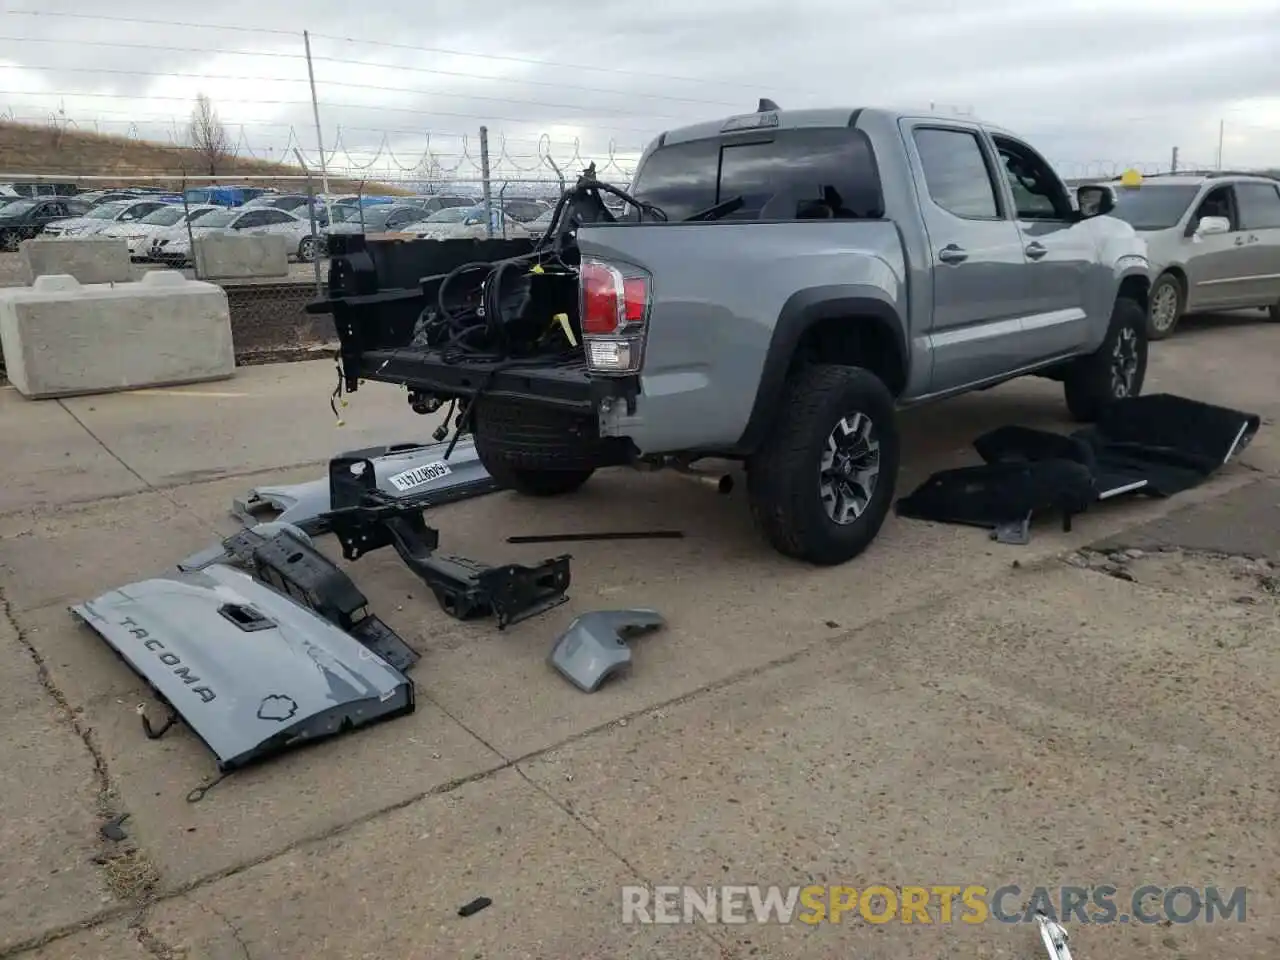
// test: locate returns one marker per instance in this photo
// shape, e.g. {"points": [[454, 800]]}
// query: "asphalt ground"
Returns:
{"points": [[943, 711]]}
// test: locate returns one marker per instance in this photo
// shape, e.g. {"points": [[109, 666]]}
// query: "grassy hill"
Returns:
{"points": [[26, 149]]}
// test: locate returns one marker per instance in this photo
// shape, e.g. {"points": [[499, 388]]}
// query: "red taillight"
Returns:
{"points": [[600, 295], [615, 314], [635, 291], [610, 301]]}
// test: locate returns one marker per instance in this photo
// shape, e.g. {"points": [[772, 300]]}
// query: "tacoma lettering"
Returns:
{"points": [[169, 659]]}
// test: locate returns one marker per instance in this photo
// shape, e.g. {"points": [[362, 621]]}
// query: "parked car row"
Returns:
{"points": [[452, 218], [145, 216], [173, 246]]}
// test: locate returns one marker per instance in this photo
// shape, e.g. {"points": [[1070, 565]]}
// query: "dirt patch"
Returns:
{"points": [[1217, 577], [129, 875]]}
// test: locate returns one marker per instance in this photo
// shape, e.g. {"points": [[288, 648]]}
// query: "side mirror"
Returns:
{"points": [[1095, 200], [1211, 226]]}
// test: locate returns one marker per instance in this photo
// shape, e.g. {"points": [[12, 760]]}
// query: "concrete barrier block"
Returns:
{"points": [[225, 256], [89, 260], [62, 338]]}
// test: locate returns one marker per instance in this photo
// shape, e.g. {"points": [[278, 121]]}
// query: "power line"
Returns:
{"points": [[344, 84], [142, 21], [648, 131], [432, 71]]}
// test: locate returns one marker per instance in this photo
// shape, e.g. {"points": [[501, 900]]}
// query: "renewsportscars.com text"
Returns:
{"points": [[933, 904]]}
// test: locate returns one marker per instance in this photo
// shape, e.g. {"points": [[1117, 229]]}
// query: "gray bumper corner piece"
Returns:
{"points": [[595, 647]]}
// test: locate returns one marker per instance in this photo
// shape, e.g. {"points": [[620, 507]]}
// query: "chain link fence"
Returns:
{"points": [[163, 217]]}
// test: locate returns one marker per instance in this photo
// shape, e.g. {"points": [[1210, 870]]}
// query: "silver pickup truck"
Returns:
{"points": [[811, 271]]}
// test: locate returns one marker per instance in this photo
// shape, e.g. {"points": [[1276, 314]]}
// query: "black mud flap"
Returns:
{"points": [[250, 671]]}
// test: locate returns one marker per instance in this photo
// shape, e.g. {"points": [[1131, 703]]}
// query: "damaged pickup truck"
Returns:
{"points": [[782, 283]]}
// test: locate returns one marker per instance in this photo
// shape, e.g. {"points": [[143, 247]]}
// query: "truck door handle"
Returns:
{"points": [[952, 254], [1036, 250]]}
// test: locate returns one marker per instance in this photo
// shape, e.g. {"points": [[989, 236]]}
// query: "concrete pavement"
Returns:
{"points": [[944, 710]]}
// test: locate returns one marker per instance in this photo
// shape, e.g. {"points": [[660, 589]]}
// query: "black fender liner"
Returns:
{"points": [[802, 311]]}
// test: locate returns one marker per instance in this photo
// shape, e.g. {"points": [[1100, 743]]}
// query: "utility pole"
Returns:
{"points": [[1222, 129], [1173, 162], [315, 112], [484, 172]]}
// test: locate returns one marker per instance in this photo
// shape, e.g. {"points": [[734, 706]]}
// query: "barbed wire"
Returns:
{"points": [[339, 160], [392, 160]]}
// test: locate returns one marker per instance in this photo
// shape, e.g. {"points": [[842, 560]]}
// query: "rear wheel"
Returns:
{"points": [[9, 241], [1167, 304], [1273, 311], [1115, 370], [307, 249], [821, 484]]}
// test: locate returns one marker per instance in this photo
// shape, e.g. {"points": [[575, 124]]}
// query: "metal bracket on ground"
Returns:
{"points": [[368, 519]]}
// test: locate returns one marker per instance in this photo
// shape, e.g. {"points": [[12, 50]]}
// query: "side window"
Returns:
{"points": [[822, 174], [1259, 206], [275, 216], [1038, 194], [796, 174], [1217, 203], [956, 173], [255, 218]]}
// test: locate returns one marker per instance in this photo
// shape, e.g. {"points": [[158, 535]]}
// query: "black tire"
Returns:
{"points": [[1095, 381], [1166, 295], [10, 241], [534, 483], [307, 249], [784, 483], [1273, 312]]}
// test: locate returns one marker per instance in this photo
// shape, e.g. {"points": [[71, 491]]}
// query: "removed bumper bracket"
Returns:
{"points": [[402, 469], [465, 588], [367, 518], [285, 560]]}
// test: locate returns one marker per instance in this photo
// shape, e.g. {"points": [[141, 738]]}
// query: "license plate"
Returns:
{"points": [[419, 476]]}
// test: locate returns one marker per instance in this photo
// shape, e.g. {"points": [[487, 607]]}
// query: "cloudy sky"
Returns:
{"points": [[1097, 86]]}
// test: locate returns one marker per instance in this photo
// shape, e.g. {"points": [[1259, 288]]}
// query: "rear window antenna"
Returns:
{"points": [[766, 105]]}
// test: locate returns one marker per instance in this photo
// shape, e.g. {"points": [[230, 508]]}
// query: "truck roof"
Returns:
{"points": [[815, 117]]}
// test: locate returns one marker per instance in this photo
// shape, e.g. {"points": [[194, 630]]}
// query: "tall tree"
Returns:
{"points": [[207, 136]]}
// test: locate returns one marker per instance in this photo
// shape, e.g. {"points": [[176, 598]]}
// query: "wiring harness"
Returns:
{"points": [[486, 322], [481, 310]]}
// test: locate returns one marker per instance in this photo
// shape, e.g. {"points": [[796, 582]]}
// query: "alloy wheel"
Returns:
{"points": [[849, 468], [1164, 308], [1124, 363]]}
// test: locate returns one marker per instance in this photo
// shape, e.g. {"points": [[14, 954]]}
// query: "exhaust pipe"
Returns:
{"points": [[722, 483]]}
